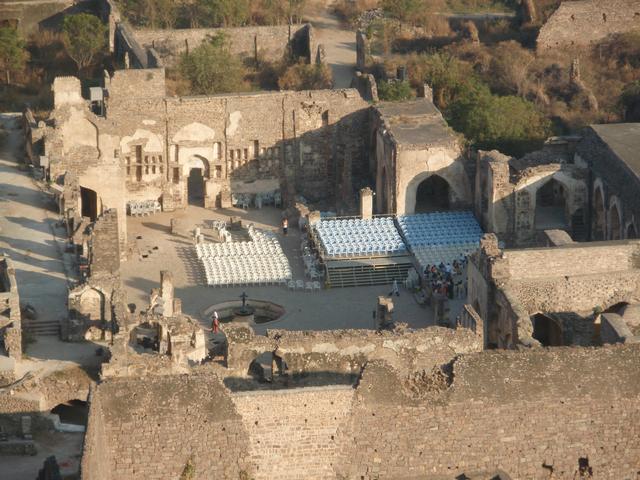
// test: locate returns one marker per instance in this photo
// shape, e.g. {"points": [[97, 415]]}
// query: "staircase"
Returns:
{"points": [[41, 327], [346, 274]]}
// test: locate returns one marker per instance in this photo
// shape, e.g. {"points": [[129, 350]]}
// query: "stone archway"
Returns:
{"points": [[551, 206], [615, 225], [89, 203], [600, 224], [546, 330], [197, 173], [433, 194], [631, 231]]}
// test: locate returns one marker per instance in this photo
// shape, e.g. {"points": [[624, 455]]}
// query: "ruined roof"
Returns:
{"points": [[416, 123], [624, 140]]}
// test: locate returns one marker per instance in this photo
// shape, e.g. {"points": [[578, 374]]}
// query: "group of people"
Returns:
{"points": [[447, 279]]}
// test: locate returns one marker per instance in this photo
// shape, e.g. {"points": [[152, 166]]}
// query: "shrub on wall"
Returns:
{"points": [[394, 90]]}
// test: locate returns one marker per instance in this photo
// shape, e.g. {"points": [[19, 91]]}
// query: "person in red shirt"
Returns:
{"points": [[215, 322]]}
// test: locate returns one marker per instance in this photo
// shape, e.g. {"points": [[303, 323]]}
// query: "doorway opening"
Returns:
{"points": [[432, 195], [614, 214], [631, 231], [551, 206], [600, 225], [195, 187], [546, 330], [89, 203]]}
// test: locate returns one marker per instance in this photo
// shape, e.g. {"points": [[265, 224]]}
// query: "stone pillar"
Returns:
{"points": [[384, 310], [314, 218], [166, 292], [177, 306], [366, 203]]}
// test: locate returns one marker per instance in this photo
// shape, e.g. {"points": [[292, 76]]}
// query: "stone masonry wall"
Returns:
{"points": [[292, 433], [96, 452], [156, 425], [269, 42], [511, 410], [580, 23], [581, 259]]}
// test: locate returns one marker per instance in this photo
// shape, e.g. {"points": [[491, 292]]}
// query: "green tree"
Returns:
{"points": [[13, 55], [394, 91], [403, 10], [211, 68], [510, 124], [84, 39], [228, 13]]}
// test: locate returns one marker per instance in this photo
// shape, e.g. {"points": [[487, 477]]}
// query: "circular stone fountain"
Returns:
{"points": [[256, 313]]}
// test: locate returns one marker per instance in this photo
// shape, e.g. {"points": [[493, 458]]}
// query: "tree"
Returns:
{"points": [[211, 68], [84, 38], [510, 124], [13, 55]]}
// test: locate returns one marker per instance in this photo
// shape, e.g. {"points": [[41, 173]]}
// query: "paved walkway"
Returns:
{"points": [[27, 223], [339, 44]]}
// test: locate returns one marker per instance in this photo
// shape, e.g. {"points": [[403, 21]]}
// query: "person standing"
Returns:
{"points": [[394, 289], [215, 322], [285, 225]]}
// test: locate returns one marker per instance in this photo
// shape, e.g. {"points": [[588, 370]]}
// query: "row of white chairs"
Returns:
{"points": [[143, 207]]}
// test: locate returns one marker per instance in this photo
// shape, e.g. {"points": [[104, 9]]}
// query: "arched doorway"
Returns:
{"points": [[195, 187], [614, 215], [432, 195], [599, 229], [631, 231], [384, 208], [89, 203], [198, 172], [551, 206], [546, 330]]}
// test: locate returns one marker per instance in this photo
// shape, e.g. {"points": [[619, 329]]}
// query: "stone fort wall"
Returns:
{"points": [[266, 42], [153, 428], [528, 413], [580, 23]]}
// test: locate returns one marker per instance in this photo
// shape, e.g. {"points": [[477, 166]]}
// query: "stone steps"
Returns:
{"points": [[41, 327]]}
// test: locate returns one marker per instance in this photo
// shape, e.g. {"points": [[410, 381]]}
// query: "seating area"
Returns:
{"points": [[258, 262], [439, 228], [142, 208], [440, 237], [356, 237]]}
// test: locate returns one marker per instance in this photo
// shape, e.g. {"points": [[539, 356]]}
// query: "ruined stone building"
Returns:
{"points": [[550, 295], [366, 405], [10, 320], [418, 160], [581, 23]]}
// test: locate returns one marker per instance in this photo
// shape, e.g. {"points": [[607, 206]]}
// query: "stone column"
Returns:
{"points": [[366, 203], [166, 292]]}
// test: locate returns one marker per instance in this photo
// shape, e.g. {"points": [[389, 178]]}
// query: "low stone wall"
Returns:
{"points": [[614, 329], [270, 43]]}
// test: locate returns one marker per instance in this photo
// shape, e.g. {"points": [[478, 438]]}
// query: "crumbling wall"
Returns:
{"points": [[154, 427], [28, 15], [10, 316], [345, 352], [578, 24], [269, 43], [97, 460], [503, 409]]}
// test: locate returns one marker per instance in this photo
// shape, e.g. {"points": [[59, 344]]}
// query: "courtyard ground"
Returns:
{"points": [[333, 308]]}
